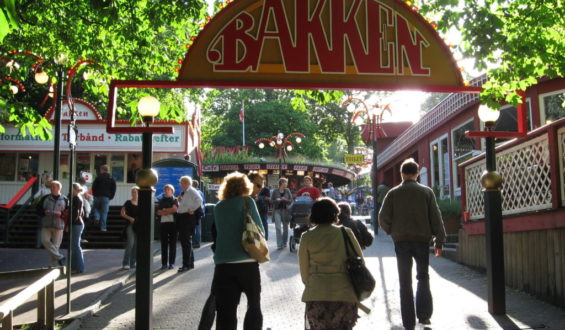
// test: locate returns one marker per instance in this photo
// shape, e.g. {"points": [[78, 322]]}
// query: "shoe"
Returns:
{"points": [[164, 267], [62, 261], [126, 267], [83, 240], [195, 246], [76, 271], [171, 266], [184, 269], [104, 229], [426, 321]]}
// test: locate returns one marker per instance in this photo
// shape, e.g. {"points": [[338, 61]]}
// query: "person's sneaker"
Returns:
{"points": [[171, 266], [195, 246], [426, 321], [126, 267], [183, 269], [164, 267], [61, 262]]}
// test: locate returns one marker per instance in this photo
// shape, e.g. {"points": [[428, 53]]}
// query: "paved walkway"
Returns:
{"points": [[459, 297], [459, 293]]}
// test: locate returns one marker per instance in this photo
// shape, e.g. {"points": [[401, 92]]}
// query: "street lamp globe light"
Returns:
{"points": [[488, 115], [41, 77], [148, 107], [261, 145], [289, 148], [298, 139]]}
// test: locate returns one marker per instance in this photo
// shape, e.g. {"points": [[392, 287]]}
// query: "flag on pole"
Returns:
{"points": [[242, 114]]}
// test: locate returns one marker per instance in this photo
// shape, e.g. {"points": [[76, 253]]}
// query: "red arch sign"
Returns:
{"points": [[314, 44]]}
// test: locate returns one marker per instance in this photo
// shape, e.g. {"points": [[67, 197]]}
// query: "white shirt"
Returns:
{"points": [[189, 200]]}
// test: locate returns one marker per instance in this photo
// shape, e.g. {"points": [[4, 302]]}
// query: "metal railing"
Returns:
{"points": [[533, 172], [8, 221], [44, 287]]}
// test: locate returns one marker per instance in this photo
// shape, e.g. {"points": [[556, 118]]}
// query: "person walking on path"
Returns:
{"points": [[166, 210], [235, 271], [188, 213], [331, 302], [411, 216], [261, 195], [103, 189], [52, 208], [197, 230], [358, 228], [281, 199], [77, 259], [309, 187], [130, 212], [382, 190]]}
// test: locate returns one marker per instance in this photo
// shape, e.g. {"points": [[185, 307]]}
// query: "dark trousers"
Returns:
{"points": [[168, 243], [265, 221], [230, 280], [405, 252], [185, 228]]}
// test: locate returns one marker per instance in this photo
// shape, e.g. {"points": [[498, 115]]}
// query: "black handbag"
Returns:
{"points": [[361, 278]]}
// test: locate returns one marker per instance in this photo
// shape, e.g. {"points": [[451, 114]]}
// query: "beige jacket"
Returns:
{"points": [[322, 264]]}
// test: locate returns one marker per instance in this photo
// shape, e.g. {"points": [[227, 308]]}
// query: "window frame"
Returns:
{"points": [[542, 104], [441, 171]]}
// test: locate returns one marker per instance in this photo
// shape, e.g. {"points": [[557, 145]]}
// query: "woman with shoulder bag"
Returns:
{"points": [[331, 301], [281, 199], [235, 271]]}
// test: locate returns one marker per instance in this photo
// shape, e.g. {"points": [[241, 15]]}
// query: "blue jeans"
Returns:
{"points": [[131, 246], [405, 252], [77, 262], [100, 210], [196, 239], [281, 226]]}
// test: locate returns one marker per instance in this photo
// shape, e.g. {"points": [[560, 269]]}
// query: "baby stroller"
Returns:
{"points": [[299, 214]]}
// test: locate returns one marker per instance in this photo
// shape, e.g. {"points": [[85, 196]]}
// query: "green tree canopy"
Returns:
{"points": [[128, 39], [518, 41]]}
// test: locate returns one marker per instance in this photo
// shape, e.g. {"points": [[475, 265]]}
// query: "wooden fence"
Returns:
{"points": [[534, 261]]}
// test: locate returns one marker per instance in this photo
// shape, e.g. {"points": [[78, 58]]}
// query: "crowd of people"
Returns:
{"points": [[330, 299]]}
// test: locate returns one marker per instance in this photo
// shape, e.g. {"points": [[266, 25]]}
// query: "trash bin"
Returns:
{"points": [[207, 221]]}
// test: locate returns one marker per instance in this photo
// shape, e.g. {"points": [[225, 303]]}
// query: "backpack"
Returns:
{"points": [[365, 237]]}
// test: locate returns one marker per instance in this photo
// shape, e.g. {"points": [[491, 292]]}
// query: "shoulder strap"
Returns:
{"points": [[245, 209], [348, 244]]}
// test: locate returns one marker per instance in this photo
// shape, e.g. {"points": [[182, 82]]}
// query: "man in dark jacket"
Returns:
{"points": [[410, 214], [103, 189]]}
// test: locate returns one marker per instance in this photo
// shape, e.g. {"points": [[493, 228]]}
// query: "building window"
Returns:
{"points": [[83, 163], [7, 166], [27, 166], [552, 106], [117, 167], [463, 149], [441, 178], [134, 164]]}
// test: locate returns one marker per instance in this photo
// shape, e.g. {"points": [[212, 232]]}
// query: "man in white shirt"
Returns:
{"points": [[188, 213]]}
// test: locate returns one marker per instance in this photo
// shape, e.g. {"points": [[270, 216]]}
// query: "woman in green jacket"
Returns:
{"points": [[330, 300], [235, 271]]}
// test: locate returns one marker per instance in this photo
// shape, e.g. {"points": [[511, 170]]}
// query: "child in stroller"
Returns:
{"points": [[299, 214]]}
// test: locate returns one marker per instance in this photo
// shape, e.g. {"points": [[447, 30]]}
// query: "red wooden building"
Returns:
{"points": [[533, 193]]}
